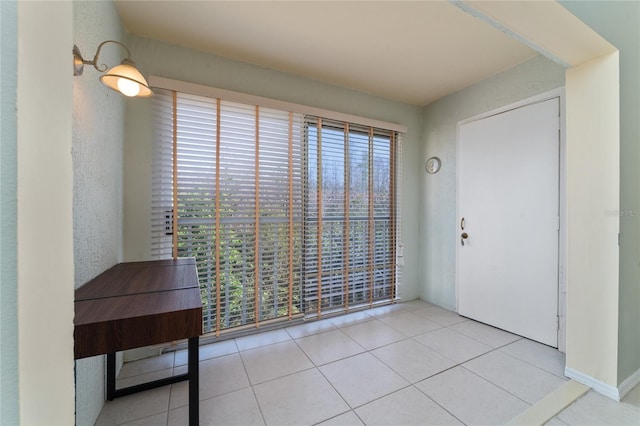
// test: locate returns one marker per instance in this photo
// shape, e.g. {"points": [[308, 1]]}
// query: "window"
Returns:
{"points": [[287, 215], [349, 221]]}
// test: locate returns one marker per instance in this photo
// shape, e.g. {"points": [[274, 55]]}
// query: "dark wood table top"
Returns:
{"points": [[140, 277], [137, 304]]}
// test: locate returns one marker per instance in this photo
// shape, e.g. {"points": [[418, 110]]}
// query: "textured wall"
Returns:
{"points": [[8, 173], [169, 61], [98, 134], [438, 219]]}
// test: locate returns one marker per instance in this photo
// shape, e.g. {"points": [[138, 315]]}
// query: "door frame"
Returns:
{"points": [[562, 234]]}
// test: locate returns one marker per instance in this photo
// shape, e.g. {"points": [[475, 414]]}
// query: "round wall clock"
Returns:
{"points": [[432, 165]]}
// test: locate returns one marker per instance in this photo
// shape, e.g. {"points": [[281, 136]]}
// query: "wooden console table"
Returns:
{"points": [[139, 304]]}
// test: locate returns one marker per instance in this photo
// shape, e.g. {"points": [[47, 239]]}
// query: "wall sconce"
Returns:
{"points": [[124, 78]]}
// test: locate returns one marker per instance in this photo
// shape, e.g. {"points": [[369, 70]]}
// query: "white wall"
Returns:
{"points": [[618, 23], [97, 150], [165, 60], [44, 239], [438, 232], [593, 190]]}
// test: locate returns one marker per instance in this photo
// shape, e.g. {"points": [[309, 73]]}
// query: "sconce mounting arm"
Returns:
{"points": [[79, 62]]}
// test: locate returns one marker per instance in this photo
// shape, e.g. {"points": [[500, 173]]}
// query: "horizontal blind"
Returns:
{"points": [[161, 177], [196, 151], [285, 214], [238, 207], [350, 216]]}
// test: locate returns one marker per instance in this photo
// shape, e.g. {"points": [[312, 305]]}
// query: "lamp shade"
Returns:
{"points": [[126, 79]]}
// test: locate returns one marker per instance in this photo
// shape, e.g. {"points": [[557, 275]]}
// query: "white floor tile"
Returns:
{"points": [[416, 304], [453, 345], [440, 316], [147, 365], [412, 360], [157, 420], [633, 397], [408, 406], [329, 346], [485, 333], [212, 350], [350, 319], [143, 378], [523, 380], [595, 409], [470, 398], [534, 353], [347, 419], [373, 334], [362, 378], [134, 407], [383, 311], [310, 328], [303, 398], [262, 339], [555, 422], [289, 389], [180, 369], [238, 408], [217, 376], [409, 324], [273, 361]]}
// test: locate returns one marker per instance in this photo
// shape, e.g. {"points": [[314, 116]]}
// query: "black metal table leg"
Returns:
{"points": [[194, 382], [193, 375], [111, 376]]}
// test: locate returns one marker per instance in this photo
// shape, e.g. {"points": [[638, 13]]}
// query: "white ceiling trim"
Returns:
{"points": [[545, 26]]}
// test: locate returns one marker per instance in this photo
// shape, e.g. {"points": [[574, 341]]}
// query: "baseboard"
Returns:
{"points": [[597, 385], [630, 383]]}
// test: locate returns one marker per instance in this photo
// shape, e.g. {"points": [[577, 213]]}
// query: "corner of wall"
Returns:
{"points": [[439, 138], [593, 142], [617, 22], [97, 153], [44, 214]]}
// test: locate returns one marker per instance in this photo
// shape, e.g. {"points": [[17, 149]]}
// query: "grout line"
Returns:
{"points": [[531, 364], [253, 391], [173, 372], [499, 386], [519, 338], [437, 403], [337, 415], [496, 385]]}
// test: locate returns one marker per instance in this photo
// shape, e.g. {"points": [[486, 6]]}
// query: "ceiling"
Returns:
{"points": [[413, 52]]}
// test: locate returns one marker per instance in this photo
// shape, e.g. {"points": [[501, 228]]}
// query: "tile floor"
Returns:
{"points": [[405, 364]]}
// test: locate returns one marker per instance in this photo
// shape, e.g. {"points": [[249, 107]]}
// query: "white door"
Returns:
{"points": [[508, 207]]}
